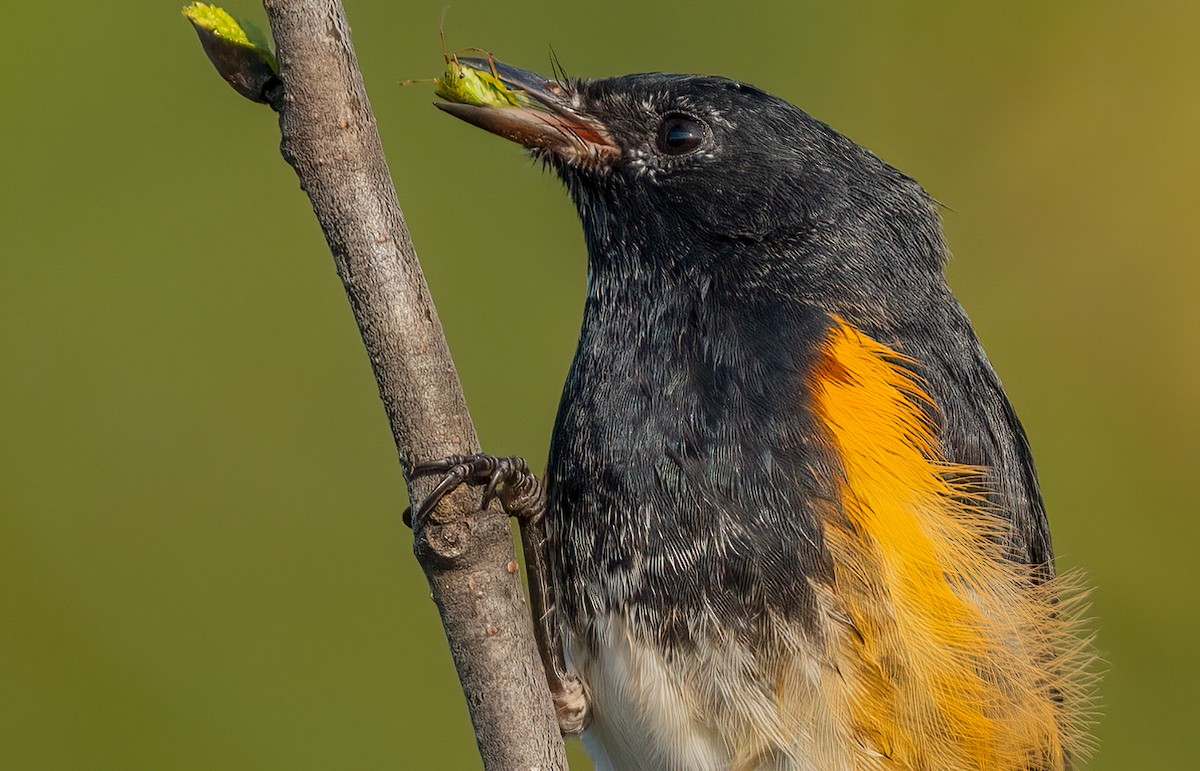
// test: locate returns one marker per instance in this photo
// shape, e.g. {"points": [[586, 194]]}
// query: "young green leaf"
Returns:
{"points": [[239, 52]]}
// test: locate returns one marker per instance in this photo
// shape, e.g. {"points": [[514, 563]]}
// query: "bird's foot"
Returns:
{"points": [[508, 480]]}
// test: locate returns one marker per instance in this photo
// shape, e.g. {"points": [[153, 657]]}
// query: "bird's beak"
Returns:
{"points": [[543, 116]]}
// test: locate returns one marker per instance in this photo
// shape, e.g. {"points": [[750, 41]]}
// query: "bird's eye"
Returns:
{"points": [[679, 134]]}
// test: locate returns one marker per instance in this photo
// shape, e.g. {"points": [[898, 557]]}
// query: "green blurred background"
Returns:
{"points": [[202, 563]]}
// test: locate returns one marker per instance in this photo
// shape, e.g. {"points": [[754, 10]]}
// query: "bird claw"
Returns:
{"points": [[508, 480]]}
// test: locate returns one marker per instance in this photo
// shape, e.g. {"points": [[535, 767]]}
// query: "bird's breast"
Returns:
{"points": [[681, 479]]}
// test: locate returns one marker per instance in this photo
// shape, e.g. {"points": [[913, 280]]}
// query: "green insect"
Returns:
{"points": [[467, 85], [470, 86]]}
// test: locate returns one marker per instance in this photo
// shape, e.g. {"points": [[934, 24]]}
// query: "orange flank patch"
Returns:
{"points": [[948, 655]]}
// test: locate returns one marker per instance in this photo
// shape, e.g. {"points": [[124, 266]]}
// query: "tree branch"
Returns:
{"points": [[329, 136]]}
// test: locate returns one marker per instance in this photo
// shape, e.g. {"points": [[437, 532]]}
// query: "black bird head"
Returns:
{"points": [[686, 175]]}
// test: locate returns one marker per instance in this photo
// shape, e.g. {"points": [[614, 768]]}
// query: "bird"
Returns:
{"points": [[792, 519]]}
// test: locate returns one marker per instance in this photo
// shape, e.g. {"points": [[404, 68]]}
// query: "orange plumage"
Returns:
{"points": [[948, 649]]}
